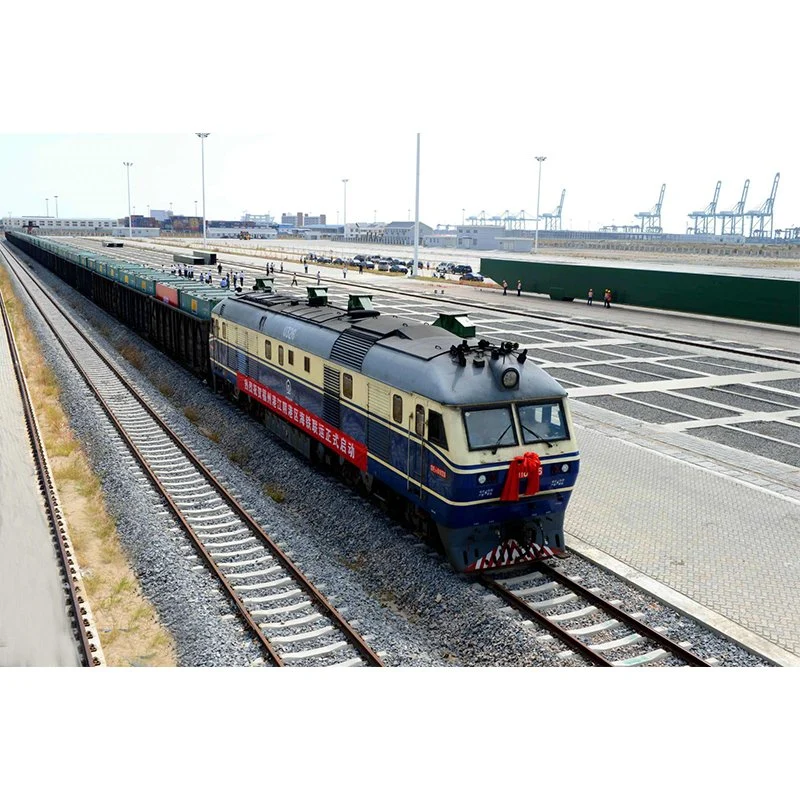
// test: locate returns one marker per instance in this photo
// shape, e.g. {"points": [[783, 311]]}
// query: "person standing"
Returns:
{"points": [[294, 279], [344, 272], [318, 278], [590, 297], [607, 298], [505, 287], [519, 288]]}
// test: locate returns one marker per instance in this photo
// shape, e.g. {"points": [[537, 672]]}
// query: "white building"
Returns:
{"points": [[403, 232], [59, 226], [440, 239], [479, 237]]}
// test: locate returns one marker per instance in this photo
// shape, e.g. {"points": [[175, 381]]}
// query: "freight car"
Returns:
{"points": [[468, 440]]}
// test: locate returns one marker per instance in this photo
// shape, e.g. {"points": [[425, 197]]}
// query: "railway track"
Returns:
{"points": [[294, 623], [593, 628], [86, 638]]}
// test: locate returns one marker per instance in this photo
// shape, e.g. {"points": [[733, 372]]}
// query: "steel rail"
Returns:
{"points": [[691, 659], [353, 637], [81, 623]]}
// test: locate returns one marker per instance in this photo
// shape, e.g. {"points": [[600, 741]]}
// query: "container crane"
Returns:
{"points": [[552, 221], [764, 212], [733, 220], [707, 215], [651, 220]]}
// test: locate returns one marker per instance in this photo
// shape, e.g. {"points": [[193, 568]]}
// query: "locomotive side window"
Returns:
{"points": [[268, 349], [224, 332], [542, 422], [490, 428], [291, 358], [419, 421], [436, 434], [306, 363], [397, 408], [280, 354], [347, 386]]}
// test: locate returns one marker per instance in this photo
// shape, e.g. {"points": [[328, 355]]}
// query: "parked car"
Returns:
{"points": [[367, 265], [383, 266], [398, 268], [472, 277], [461, 269]]}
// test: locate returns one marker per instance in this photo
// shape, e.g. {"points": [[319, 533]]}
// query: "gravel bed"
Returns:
{"points": [[415, 608], [705, 643]]}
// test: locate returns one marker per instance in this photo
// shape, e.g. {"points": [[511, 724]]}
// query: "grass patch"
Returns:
{"points": [[167, 389], [239, 455], [133, 355], [213, 435], [191, 413], [275, 492]]}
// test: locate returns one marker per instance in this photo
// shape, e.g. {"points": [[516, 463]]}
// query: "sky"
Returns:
{"points": [[620, 97]]}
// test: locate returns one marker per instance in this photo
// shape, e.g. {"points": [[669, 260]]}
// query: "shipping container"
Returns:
{"points": [[193, 260], [200, 301]]}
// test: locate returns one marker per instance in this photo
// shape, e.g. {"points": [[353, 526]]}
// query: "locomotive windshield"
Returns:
{"points": [[542, 422], [490, 427]]}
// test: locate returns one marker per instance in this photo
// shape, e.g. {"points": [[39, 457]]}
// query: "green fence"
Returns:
{"points": [[756, 299]]}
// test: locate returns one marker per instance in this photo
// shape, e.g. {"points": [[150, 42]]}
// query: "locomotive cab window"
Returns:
{"points": [[397, 408], [280, 354], [268, 349], [291, 358], [419, 421], [489, 428], [306, 363], [347, 386], [542, 422], [224, 331], [436, 434]]}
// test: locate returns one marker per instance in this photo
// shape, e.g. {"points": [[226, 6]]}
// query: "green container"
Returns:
{"points": [[199, 301]]}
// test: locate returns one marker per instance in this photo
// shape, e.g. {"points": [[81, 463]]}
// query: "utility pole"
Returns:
{"points": [[56, 196], [344, 226], [538, 195], [203, 137], [128, 165], [47, 206], [414, 268]]}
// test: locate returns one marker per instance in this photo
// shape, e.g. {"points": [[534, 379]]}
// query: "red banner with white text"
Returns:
{"points": [[347, 447]]}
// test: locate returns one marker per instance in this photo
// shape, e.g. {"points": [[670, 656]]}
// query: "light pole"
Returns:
{"points": [[47, 206], [56, 196], [344, 225], [538, 194], [463, 211], [128, 165], [203, 137], [195, 207], [414, 268]]}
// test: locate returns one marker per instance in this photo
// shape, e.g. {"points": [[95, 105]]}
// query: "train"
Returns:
{"points": [[467, 440]]}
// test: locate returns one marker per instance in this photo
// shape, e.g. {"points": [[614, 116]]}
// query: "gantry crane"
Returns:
{"points": [[708, 216], [652, 218], [552, 221], [764, 213], [733, 220]]}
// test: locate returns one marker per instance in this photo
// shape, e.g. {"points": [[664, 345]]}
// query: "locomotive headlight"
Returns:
{"points": [[565, 467], [510, 378], [481, 479]]}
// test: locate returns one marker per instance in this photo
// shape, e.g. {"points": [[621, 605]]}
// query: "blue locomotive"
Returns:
{"points": [[470, 440]]}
